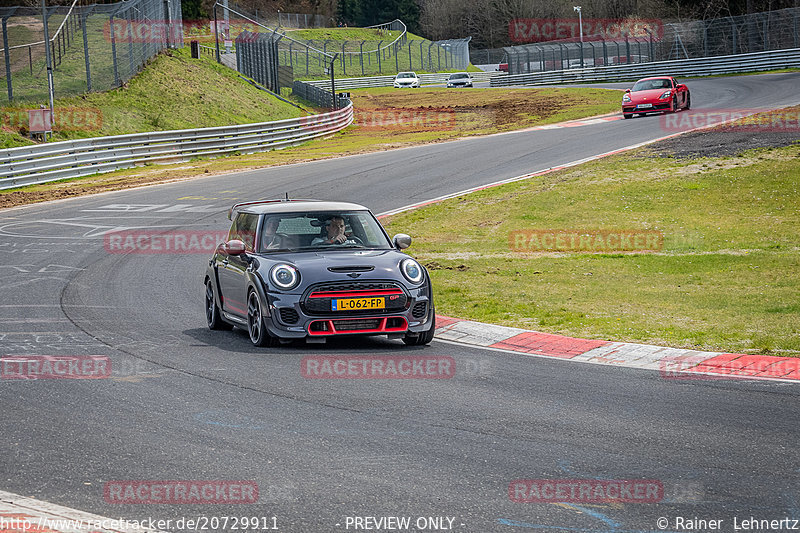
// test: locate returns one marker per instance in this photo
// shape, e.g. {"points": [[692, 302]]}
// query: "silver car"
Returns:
{"points": [[459, 79]]}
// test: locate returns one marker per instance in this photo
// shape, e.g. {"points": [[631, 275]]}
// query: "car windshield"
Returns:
{"points": [[317, 230], [458, 76], [403, 75], [649, 85]]}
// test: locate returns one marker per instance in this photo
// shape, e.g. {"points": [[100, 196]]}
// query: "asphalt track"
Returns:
{"points": [[184, 403]]}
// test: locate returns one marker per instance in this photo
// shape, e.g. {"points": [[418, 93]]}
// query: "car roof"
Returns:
{"points": [[292, 206], [407, 72], [656, 78]]}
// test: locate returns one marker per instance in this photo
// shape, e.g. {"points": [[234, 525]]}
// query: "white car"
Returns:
{"points": [[406, 79]]}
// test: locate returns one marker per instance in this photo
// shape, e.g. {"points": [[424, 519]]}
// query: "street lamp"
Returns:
{"points": [[580, 25]]}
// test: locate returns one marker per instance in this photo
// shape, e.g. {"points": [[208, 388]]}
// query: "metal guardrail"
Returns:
{"points": [[386, 81], [30, 165], [701, 66]]}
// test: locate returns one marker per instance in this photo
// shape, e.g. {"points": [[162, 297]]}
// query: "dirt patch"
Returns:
{"points": [[731, 140]]}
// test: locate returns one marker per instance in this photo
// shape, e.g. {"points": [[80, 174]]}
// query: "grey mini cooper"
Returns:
{"points": [[307, 269]]}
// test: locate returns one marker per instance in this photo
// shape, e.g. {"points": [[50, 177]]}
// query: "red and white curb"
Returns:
{"points": [[673, 363], [19, 514]]}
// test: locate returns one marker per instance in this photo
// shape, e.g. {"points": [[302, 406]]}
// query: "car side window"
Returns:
{"points": [[244, 229]]}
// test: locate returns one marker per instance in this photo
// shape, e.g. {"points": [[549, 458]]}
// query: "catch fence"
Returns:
{"points": [[756, 32], [93, 47]]}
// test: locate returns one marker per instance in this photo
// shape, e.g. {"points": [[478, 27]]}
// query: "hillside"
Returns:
{"points": [[173, 92]]}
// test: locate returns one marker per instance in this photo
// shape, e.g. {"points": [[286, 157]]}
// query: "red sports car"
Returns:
{"points": [[655, 95]]}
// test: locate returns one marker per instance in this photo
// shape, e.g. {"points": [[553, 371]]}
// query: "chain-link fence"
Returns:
{"points": [[757, 32], [313, 59], [93, 47], [488, 56]]}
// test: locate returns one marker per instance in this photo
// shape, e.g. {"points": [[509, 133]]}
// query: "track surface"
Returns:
{"points": [[187, 404]]}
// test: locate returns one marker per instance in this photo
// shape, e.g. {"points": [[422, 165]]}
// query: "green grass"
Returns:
{"points": [[174, 92], [726, 279]]}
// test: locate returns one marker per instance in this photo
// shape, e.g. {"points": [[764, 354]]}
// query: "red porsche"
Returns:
{"points": [[655, 95]]}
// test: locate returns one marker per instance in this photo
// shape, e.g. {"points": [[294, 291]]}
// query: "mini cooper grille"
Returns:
{"points": [[355, 286], [319, 300], [419, 310], [289, 315]]}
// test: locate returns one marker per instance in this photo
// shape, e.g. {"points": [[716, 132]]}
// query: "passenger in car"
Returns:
{"points": [[271, 239]]}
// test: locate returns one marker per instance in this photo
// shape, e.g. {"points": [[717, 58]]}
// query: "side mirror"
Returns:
{"points": [[401, 241], [627, 90], [234, 247]]}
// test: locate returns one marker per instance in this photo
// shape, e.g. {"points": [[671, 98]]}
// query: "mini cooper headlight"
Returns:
{"points": [[665, 95], [284, 276], [411, 270]]}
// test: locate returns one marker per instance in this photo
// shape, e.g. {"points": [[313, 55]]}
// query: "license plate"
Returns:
{"points": [[644, 106], [355, 304]]}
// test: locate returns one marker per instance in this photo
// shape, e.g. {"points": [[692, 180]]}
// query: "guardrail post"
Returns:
{"points": [[8, 60]]}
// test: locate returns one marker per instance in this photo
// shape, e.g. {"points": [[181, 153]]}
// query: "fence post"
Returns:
{"points": [[216, 33], [344, 58], [421, 57], [396, 58], [130, 49], [361, 57], [114, 51], [86, 55], [379, 57], [430, 61], [705, 39], [8, 60], [410, 67], [735, 33], [307, 60], [628, 49], [527, 59]]}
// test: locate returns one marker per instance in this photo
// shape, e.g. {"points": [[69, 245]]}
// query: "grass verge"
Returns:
{"points": [[725, 280]]}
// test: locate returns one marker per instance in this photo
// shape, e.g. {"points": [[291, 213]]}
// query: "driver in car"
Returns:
{"points": [[334, 233]]}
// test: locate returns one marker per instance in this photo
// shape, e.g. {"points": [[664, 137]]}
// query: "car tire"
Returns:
{"points": [[674, 106], [423, 338], [688, 101], [627, 115], [213, 318], [256, 328]]}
